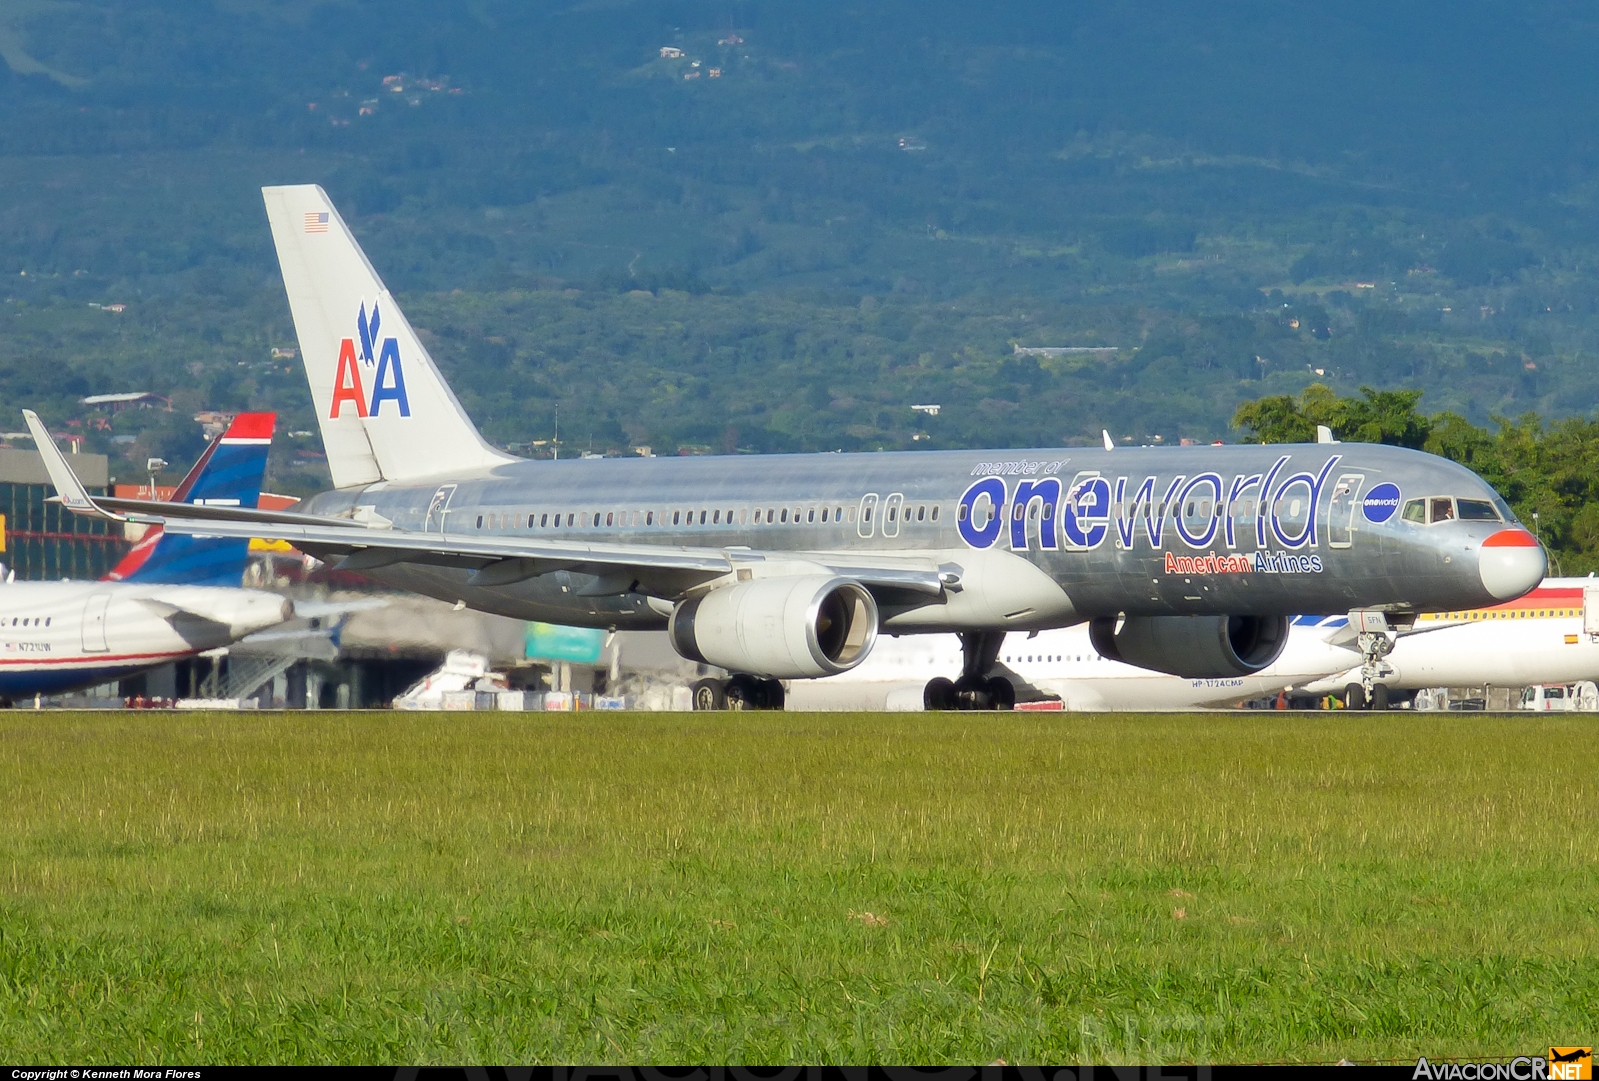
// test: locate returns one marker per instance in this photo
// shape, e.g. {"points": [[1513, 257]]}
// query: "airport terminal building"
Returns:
{"points": [[40, 541]]}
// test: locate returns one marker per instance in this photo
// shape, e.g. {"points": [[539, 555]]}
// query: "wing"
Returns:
{"points": [[661, 570], [497, 561]]}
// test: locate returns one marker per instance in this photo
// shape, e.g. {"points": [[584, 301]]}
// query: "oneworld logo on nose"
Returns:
{"points": [[1381, 503], [388, 382]]}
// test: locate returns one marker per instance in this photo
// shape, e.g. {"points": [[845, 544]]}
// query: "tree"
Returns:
{"points": [[1276, 419], [1385, 416], [1379, 416]]}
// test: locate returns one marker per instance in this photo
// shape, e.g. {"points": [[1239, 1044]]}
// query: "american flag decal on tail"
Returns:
{"points": [[316, 222]]}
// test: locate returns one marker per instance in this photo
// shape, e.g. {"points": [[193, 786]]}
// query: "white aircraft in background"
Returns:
{"points": [[1551, 635], [171, 597], [1060, 665]]}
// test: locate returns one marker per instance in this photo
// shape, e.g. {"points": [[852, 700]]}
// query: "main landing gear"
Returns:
{"points": [[976, 688], [738, 692]]}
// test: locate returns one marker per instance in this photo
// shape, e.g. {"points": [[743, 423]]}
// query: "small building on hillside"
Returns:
{"points": [[1103, 351], [116, 403]]}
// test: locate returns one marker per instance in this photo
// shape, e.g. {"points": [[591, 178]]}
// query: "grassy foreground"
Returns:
{"points": [[459, 887]]}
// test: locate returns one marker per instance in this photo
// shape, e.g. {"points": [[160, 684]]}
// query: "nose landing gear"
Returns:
{"points": [[1356, 697], [976, 688], [1374, 645]]}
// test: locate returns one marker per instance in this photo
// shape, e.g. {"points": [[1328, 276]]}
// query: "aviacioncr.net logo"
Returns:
{"points": [[1563, 1064], [388, 381]]}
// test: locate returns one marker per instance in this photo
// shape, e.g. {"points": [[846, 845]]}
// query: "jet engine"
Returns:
{"points": [[797, 627], [1194, 647]]}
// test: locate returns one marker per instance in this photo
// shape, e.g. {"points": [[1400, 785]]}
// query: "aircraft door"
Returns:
{"points": [[892, 507], [1341, 511], [864, 524], [438, 508], [94, 617], [1590, 610]]}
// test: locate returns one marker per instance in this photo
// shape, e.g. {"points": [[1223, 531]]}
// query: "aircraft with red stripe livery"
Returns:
{"points": [[1550, 635], [171, 597]]}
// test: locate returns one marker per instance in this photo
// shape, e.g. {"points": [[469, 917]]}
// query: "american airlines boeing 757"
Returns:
{"points": [[1183, 560]]}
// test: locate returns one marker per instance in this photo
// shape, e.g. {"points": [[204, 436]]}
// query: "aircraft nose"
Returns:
{"points": [[1511, 563]]}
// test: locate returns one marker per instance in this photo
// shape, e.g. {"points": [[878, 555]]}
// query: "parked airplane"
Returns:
{"points": [[1550, 635], [1054, 665], [170, 597], [1188, 561]]}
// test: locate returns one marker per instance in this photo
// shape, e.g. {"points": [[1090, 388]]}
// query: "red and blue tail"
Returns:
{"points": [[228, 474]]}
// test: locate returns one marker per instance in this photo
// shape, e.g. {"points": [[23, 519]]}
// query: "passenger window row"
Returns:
{"points": [[804, 515], [1145, 510], [26, 621]]}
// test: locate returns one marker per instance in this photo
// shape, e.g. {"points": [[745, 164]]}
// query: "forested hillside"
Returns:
{"points": [[759, 226]]}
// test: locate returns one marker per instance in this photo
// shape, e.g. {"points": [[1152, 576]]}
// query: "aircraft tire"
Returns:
{"points": [[1001, 694], [709, 694], [1379, 696], [742, 692], [972, 692], [1354, 696], [770, 694], [939, 694]]}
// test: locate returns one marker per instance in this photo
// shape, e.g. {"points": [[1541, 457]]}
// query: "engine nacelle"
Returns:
{"points": [[797, 627], [1194, 647]]}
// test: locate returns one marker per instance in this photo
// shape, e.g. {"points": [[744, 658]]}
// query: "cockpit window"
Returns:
{"points": [[1477, 510], [1442, 508]]}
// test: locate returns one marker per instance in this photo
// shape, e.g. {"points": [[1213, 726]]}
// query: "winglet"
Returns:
{"points": [[1109, 445], [74, 496]]}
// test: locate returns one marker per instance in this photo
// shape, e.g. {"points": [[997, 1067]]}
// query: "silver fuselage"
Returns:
{"points": [[1194, 544]]}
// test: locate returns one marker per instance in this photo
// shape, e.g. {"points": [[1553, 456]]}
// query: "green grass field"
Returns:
{"points": [[850, 888]]}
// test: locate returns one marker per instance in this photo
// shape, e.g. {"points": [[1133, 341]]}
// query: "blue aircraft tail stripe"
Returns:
{"points": [[231, 470]]}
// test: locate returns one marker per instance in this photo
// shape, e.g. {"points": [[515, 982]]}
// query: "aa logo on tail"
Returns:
{"points": [[388, 383]]}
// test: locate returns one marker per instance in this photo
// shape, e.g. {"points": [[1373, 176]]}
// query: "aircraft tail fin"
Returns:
{"points": [[385, 411], [228, 474]]}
